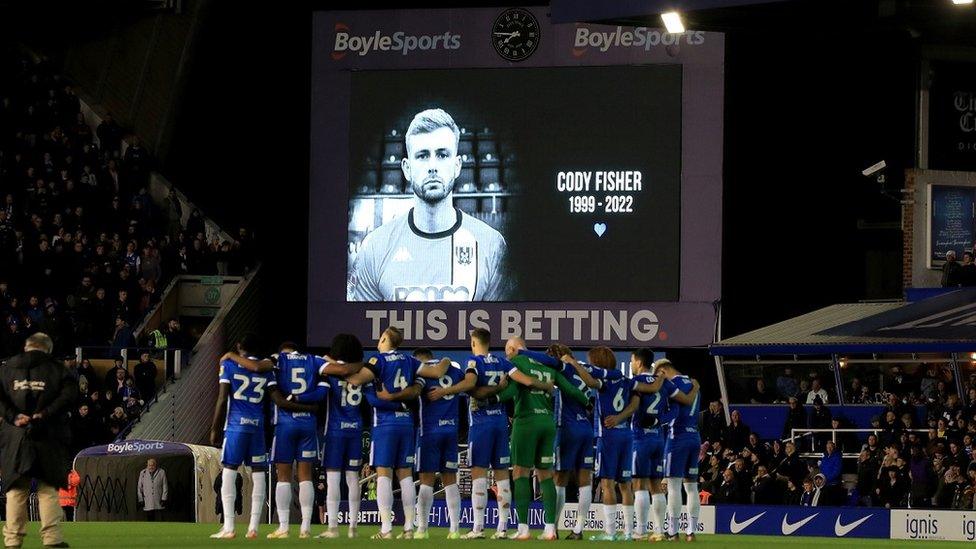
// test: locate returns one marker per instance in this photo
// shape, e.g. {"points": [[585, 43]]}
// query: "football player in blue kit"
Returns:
{"points": [[239, 413], [296, 434], [650, 414], [437, 446], [393, 429], [684, 443], [343, 450], [488, 438], [615, 441]]}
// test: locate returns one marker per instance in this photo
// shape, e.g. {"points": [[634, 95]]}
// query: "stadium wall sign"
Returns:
{"points": [[851, 522], [369, 514], [933, 525]]}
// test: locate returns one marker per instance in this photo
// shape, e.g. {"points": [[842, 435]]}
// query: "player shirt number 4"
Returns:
{"points": [[399, 262]]}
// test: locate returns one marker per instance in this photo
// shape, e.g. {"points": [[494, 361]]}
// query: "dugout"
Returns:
{"points": [[110, 475]]}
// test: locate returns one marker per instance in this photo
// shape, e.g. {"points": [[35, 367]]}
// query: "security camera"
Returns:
{"points": [[874, 169]]}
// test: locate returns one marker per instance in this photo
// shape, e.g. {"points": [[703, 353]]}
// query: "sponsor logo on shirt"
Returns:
{"points": [[432, 293], [444, 422], [348, 425], [254, 422]]}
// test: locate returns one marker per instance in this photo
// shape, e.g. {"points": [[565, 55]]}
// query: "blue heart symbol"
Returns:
{"points": [[599, 228]]}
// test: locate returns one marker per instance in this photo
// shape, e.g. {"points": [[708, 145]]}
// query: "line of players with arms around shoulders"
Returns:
{"points": [[639, 434]]}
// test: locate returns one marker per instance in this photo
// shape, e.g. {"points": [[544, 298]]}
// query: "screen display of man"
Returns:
{"points": [[435, 252]]}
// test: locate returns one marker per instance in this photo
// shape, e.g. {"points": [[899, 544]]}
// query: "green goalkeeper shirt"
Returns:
{"points": [[534, 403]]}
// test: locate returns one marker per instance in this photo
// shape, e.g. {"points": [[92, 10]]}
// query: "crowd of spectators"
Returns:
{"points": [[920, 454], [110, 402], [84, 250]]}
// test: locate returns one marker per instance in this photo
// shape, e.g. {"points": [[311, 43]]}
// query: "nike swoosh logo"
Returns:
{"points": [[843, 529], [790, 528], [736, 527]]}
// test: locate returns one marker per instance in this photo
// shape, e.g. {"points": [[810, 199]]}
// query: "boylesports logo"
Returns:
{"points": [[638, 38], [399, 42], [133, 447]]}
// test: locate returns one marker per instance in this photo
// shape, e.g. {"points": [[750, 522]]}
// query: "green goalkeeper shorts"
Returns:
{"points": [[533, 442]]}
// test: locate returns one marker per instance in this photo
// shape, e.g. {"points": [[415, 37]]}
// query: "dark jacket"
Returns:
{"points": [[32, 383], [728, 492], [766, 491], [736, 436], [796, 418]]}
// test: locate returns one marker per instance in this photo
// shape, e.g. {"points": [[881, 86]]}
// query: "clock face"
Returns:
{"points": [[515, 34]]}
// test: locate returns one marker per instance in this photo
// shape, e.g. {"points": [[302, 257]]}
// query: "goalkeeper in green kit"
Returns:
{"points": [[534, 432]]}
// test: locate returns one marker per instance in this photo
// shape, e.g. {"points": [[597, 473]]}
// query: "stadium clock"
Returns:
{"points": [[515, 34]]}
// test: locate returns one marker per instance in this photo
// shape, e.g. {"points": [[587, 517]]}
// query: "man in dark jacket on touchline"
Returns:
{"points": [[36, 394]]}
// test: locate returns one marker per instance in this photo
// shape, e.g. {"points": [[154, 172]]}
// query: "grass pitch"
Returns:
{"points": [[188, 536]]}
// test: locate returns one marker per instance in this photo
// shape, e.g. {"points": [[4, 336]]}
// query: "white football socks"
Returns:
{"points": [[659, 511], [694, 506], [260, 481], [384, 502], [228, 496], [283, 504], [674, 505], [504, 503], [628, 519], [408, 499], [585, 500], [479, 501], [609, 519], [306, 502], [453, 495], [560, 500], [333, 496], [355, 497], [425, 500], [642, 510]]}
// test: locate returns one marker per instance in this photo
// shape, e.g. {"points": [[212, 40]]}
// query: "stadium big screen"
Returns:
{"points": [[486, 168]]}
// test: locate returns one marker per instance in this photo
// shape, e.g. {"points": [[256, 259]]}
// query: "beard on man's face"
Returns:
{"points": [[433, 189]]}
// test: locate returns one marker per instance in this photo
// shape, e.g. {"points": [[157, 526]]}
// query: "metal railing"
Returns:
{"points": [[802, 433]]}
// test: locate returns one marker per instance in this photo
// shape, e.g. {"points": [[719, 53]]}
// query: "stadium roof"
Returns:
{"points": [[946, 323]]}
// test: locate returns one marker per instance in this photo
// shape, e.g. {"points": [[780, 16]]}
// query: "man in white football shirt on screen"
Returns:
{"points": [[435, 252]]}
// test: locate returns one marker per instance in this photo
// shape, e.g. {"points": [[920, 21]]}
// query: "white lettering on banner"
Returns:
{"points": [[398, 42], [639, 37], [933, 525], [594, 521], [124, 447], [535, 325]]}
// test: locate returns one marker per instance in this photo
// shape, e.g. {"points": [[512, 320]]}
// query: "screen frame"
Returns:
{"points": [[689, 321]]}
